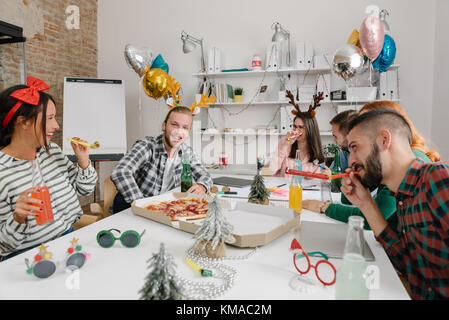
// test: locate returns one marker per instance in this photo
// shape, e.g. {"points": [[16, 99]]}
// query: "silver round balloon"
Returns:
{"points": [[138, 58], [348, 60]]}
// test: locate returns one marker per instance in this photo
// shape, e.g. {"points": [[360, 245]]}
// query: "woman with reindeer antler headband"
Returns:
{"points": [[305, 137], [154, 164]]}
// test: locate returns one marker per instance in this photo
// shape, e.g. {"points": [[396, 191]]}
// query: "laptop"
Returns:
{"points": [[232, 182], [329, 238]]}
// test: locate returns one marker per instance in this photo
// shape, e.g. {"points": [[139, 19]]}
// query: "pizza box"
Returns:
{"points": [[254, 225]]}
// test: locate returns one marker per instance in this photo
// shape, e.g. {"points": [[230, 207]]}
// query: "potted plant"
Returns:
{"points": [[238, 94], [329, 153]]}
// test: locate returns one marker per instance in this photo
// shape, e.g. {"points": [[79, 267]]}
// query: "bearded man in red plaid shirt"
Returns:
{"points": [[379, 142]]}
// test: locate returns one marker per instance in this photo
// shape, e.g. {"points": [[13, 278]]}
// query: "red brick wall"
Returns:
{"points": [[57, 53]]}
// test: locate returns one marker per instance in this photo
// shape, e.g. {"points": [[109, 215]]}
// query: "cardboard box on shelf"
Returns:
{"points": [[254, 225]]}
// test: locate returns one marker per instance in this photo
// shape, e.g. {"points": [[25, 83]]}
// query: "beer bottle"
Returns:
{"points": [[186, 175]]}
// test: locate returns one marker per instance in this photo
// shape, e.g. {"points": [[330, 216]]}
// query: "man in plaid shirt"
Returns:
{"points": [[379, 142], [154, 164]]}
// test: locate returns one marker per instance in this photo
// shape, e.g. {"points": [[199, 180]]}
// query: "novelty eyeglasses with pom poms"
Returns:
{"points": [[43, 265]]}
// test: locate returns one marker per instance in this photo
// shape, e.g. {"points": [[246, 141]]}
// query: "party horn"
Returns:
{"points": [[341, 175], [293, 137], [95, 145], [307, 174]]}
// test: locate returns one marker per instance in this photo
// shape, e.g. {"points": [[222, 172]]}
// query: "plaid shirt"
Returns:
{"points": [[140, 173], [418, 247]]}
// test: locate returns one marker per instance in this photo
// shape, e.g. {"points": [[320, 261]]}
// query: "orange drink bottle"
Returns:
{"points": [[295, 189], [45, 215], [295, 197]]}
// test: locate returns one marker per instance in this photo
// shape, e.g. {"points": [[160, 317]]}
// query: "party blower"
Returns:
{"points": [[317, 175], [95, 145]]}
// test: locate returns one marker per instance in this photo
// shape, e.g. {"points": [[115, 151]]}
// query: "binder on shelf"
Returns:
{"points": [[323, 85], [300, 55], [217, 58], [230, 91], [308, 55], [392, 83], [273, 56], [286, 119], [211, 60], [321, 61], [383, 86]]}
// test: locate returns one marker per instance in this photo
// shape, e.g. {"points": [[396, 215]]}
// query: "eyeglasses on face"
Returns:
{"points": [[129, 239], [44, 266], [324, 270]]}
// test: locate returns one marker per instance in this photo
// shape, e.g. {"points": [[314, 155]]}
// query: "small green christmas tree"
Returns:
{"points": [[258, 192], [215, 230], [161, 283]]}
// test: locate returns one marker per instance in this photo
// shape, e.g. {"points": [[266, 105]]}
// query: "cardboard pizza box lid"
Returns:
{"points": [[254, 225]]}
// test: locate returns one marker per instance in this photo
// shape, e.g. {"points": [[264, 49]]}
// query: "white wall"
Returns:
{"points": [[242, 28], [440, 112]]}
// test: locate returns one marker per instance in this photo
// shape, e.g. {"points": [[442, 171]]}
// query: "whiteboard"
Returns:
{"points": [[94, 110]]}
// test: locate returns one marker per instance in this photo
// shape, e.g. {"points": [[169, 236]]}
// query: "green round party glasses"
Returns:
{"points": [[129, 239]]}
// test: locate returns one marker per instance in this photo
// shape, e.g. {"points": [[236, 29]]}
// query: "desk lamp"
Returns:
{"points": [[189, 43]]}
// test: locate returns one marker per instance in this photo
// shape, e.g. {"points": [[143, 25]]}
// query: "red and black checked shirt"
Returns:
{"points": [[418, 247]]}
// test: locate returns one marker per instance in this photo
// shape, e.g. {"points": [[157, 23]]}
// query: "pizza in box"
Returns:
{"points": [[184, 208]]}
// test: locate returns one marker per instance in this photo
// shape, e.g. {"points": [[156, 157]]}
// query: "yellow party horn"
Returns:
{"points": [[95, 145]]}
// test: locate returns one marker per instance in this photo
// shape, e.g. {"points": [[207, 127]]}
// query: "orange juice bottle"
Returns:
{"points": [[46, 214], [295, 198], [295, 189]]}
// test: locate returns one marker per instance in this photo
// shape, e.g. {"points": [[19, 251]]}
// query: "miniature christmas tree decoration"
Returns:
{"points": [[214, 232], [258, 193], [161, 282]]}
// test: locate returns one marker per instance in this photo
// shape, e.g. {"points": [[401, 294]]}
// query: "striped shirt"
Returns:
{"points": [[419, 245], [64, 180], [140, 172]]}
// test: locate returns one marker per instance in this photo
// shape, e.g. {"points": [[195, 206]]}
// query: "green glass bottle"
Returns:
{"points": [[336, 183], [186, 175]]}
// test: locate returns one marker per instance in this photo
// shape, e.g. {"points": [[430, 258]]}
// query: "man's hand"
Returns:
{"points": [[198, 189], [360, 196], [354, 191]]}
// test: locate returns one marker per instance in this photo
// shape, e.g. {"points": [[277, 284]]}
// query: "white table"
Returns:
{"points": [[119, 273]]}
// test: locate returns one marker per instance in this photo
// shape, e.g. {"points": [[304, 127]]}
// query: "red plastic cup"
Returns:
{"points": [[46, 215]]}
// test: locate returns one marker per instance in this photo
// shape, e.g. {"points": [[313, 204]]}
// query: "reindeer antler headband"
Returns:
{"points": [[311, 112], [173, 90]]}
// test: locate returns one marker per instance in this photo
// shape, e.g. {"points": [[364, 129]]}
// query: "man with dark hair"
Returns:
{"points": [[339, 125], [379, 142], [154, 164]]}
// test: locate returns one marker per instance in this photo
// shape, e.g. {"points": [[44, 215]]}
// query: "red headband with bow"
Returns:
{"points": [[28, 95]]}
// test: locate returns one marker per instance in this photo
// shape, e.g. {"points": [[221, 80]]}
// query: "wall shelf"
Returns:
{"points": [[261, 72], [269, 72], [286, 103], [322, 133]]}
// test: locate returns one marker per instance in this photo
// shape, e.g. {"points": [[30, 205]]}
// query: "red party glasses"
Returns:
{"points": [[324, 270]]}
